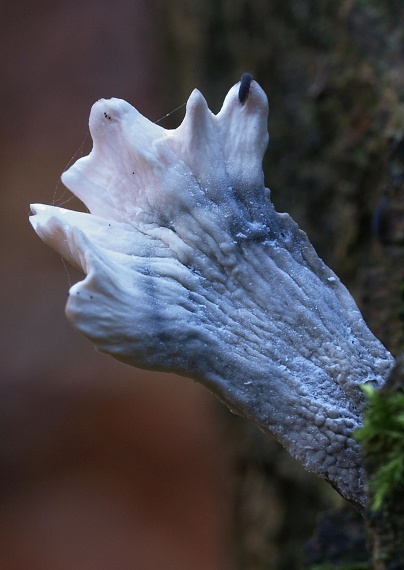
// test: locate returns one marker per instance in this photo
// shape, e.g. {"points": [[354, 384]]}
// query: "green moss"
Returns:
{"points": [[382, 437]]}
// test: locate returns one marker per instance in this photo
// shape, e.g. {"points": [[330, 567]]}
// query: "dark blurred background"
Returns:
{"points": [[103, 466]]}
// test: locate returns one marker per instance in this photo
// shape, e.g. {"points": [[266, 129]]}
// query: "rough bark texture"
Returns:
{"points": [[339, 541]]}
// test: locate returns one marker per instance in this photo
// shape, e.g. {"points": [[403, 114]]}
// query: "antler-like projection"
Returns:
{"points": [[190, 269]]}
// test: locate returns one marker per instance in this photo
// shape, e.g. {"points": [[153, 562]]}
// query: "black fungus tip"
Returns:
{"points": [[244, 89]]}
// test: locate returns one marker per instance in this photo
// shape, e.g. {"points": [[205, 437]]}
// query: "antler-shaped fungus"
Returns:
{"points": [[190, 269]]}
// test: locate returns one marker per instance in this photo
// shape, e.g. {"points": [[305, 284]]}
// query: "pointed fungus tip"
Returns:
{"points": [[244, 89]]}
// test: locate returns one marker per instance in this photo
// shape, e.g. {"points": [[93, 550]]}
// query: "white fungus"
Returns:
{"points": [[190, 269]]}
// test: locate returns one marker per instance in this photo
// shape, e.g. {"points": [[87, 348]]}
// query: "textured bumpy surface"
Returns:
{"points": [[190, 269]]}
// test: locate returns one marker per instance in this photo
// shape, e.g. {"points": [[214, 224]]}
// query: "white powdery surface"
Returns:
{"points": [[190, 269]]}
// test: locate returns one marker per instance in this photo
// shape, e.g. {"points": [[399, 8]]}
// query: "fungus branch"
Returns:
{"points": [[190, 269]]}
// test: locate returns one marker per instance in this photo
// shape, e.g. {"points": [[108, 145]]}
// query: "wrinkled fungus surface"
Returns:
{"points": [[190, 269]]}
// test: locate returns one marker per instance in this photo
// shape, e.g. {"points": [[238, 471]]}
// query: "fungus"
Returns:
{"points": [[190, 269]]}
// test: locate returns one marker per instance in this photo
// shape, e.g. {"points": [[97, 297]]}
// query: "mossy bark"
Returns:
{"points": [[386, 524]]}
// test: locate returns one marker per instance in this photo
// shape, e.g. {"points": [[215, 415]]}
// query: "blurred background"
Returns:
{"points": [[103, 466]]}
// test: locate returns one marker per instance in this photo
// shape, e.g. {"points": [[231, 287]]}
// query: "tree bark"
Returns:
{"points": [[334, 76], [386, 524]]}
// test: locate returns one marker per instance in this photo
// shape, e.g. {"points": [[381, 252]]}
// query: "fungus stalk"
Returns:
{"points": [[189, 269]]}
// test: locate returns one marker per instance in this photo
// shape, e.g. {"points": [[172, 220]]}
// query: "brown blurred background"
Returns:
{"points": [[103, 466]]}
